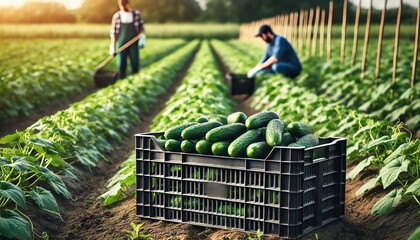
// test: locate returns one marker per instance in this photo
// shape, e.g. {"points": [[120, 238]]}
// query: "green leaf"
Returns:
{"points": [[19, 163], [42, 142], [392, 170], [360, 167], [370, 184], [45, 200], [12, 225], [415, 235], [385, 204], [376, 142], [10, 138], [396, 153], [55, 181], [113, 195], [13, 192], [414, 188]]}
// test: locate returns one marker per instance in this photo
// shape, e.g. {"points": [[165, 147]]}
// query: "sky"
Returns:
{"points": [[73, 4]]}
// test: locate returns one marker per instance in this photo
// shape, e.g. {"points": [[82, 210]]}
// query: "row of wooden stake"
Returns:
{"points": [[302, 31]]}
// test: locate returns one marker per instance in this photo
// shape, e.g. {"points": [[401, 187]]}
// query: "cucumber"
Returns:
{"points": [[203, 147], [298, 129], [238, 147], [202, 119], [173, 145], [161, 143], [198, 131], [308, 141], [188, 146], [237, 117], [218, 118], [226, 132], [258, 150], [274, 132], [261, 119], [175, 132], [287, 139], [221, 148], [286, 123]]}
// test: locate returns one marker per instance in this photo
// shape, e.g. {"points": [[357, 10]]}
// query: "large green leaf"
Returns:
{"points": [[10, 138], [45, 200], [385, 204], [54, 181], [377, 142], [360, 167], [396, 153], [370, 184], [13, 192], [415, 235], [414, 188], [14, 226], [18, 163], [392, 170]]}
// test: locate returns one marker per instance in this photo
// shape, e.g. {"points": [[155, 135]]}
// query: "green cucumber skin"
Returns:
{"points": [[198, 131], [175, 132], [237, 117], [188, 146], [173, 145], [298, 129], [238, 146], [221, 148], [274, 132], [260, 119], [203, 147], [226, 132], [258, 150]]}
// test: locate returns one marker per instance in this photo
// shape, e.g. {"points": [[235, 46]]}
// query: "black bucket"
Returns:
{"points": [[105, 78], [240, 84]]}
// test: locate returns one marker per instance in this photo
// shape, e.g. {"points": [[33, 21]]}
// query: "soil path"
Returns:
{"points": [[22, 122]]}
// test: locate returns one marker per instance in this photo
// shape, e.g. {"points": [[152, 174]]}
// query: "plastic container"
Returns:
{"points": [[290, 193], [105, 78], [240, 84]]}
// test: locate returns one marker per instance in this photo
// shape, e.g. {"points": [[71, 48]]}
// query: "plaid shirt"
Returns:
{"points": [[116, 23]]}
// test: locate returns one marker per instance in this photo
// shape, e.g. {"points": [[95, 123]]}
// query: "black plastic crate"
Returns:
{"points": [[239, 84], [290, 193]]}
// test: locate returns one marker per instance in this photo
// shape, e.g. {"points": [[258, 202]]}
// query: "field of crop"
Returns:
{"points": [[67, 152]]}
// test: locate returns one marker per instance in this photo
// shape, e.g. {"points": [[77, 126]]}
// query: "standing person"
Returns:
{"points": [[279, 56], [127, 24]]}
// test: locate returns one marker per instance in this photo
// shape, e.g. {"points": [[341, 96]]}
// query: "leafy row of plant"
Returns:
{"points": [[58, 74], [203, 92], [41, 155], [377, 144], [342, 84]]}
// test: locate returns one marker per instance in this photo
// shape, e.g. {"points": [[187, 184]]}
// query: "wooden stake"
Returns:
{"points": [[365, 47], [356, 33], [286, 25], [300, 32], [397, 36], [343, 33], [304, 29], [321, 39], [329, 30], [380, 37], [296, 29], [315, 37], [309, 33], [416, 46], [291, 33]]}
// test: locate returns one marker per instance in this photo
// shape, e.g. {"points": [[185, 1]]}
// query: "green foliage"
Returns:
{"points": [[380, 144], [12, 225], [135, 233]]}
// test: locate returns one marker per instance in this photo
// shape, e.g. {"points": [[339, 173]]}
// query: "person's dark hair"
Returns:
{"points": [[264, 29], [123, 2]]}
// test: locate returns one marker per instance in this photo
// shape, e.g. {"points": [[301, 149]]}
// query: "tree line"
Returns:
{"points": [[163, 11]]}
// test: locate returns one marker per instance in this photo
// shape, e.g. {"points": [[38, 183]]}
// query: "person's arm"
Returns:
{"points": [[272, 60], [113, 35], [140, 26]]}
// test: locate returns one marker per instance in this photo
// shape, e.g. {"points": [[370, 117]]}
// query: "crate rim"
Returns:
{"points": [[152, 135]]}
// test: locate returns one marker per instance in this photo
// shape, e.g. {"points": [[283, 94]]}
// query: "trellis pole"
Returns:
{"points": [[315, 36], [329, 30], [343, 33], [381, 35], [356, 33], [366, 43], [397, 37], [416, 46]]}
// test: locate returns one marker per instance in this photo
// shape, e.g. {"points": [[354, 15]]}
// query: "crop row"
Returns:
{"points": [[378, 144], [341, 83], [48, 77], [45, 152], [203, 92]]}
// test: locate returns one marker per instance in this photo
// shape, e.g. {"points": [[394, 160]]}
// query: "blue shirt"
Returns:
{"points": [[281, 49]]}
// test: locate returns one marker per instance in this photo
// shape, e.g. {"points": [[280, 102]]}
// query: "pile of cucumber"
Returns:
{"points": [[237, 135]]}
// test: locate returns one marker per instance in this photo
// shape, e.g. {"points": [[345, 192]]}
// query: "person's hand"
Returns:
{"points": [[142, 41], [112, 49], [253, 71]]}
